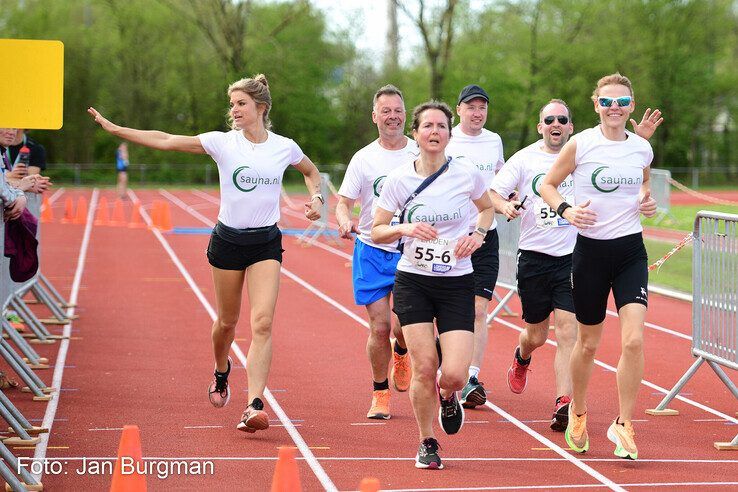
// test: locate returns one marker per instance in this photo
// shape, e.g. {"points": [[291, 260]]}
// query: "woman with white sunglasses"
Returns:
{"points": [[610, 167]]}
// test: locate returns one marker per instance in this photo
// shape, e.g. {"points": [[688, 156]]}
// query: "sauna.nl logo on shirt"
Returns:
{"points": [[246, 179]]}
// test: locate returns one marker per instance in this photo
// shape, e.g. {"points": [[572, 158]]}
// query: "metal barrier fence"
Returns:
{"points": [[509, 235], [661, 192], [714, 305]]}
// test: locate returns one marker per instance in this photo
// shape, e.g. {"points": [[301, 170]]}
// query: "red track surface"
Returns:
{"points": [[141, 355], [681, 198]]}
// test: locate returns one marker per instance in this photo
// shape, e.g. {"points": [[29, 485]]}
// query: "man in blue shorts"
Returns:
{"points": [[374, 265]]}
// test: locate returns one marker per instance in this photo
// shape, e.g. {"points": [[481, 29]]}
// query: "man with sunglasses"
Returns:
{"points": [[484, 148], [546, 245]]}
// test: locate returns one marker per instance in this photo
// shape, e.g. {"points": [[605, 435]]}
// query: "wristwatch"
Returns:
{"points": [[481, 230], [319, 196]]}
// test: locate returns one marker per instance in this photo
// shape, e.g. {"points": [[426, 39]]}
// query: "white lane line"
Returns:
{"points": [[402, 458], [320, 474], [185, 207], [556, 448], [56, 195], [61, 357], [657, 327], [644, 382], [564, 486]]}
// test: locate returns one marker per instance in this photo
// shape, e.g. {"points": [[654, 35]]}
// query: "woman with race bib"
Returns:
{"points": [[246, 244], [610, 167], [434, 280]]}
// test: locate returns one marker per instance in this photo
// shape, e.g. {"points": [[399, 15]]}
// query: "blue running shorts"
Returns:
{"points": [[373, 273]]}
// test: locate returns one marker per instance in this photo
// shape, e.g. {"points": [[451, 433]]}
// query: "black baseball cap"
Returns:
{"points": [[471, 92]]}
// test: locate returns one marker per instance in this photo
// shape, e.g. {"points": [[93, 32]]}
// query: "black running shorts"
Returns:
{"points": [[598, 265], [544, 284], [228, 256], [486, 264], [422, 298]]}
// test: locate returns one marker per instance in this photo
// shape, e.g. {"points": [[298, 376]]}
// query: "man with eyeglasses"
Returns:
{"points": [[484, 148], [545, 250]]}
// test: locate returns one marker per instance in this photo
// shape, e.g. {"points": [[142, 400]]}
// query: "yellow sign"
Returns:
{"points": [[32, 82]]}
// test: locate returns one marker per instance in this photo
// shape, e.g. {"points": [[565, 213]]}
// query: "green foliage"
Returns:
{"points": [[681, 217], [676, 272]]}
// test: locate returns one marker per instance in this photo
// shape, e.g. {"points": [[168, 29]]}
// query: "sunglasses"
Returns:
{"points": [[550, 119], [606, 102]]}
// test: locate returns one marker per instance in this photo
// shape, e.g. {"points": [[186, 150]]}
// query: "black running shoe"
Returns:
{"points": [[218, 391], [451, 415], [473, 394], [427, 456]]}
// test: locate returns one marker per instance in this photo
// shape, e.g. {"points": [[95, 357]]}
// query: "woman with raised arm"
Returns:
{"points": [[610, 167], [434, 279], [246, 243]]}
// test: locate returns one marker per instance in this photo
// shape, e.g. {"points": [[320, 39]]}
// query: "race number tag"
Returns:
{"points": [[546, 217], [432, 256]]}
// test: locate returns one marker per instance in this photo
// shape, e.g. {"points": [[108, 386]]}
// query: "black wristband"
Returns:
{"points": [[560, 210]]}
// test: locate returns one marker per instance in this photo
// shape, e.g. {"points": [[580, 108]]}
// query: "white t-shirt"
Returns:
{"points": [[610, 173], [446, 204], [484, 151], [541, 229], [365, 178], [250, 175]]}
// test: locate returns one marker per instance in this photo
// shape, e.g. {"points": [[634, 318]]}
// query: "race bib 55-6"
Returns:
{"points": [[433, 256]]}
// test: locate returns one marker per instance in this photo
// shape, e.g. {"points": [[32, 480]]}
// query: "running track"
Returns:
{"points": [[140, 354]]}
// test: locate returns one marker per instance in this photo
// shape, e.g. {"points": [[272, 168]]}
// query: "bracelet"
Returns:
{"points": [[562, 207], [319, 196]]}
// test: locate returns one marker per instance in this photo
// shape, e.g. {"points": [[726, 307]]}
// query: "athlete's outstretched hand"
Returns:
{"points": [[580, 216], [106, 124], [312, 209], [419, 230], [346, 230], [468, 245], [648, 205], [648, 124]]}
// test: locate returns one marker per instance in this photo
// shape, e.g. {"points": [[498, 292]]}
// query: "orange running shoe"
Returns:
{"points": [[623, 436], [254, 418], [401, 372], [380, 405], [576, 432]]}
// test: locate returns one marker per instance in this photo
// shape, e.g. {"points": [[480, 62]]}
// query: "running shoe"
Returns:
{"points": [[473, 394], [624, 438], [576, 432], [560, 417], [401, 372], [380, 405], [517, 374], [218, 392], [450, 414], [254, 418], [427, 456]]}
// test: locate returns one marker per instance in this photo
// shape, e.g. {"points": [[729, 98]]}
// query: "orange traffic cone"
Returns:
{"points": [[101, 217], [47, 213], [369, 485], [81, 216], [68, 211], [118, 219], [126, 476], [286, 475], [166, 218], [136, 219]]}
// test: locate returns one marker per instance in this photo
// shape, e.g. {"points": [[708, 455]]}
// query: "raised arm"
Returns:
{"points": [[149, 138]]}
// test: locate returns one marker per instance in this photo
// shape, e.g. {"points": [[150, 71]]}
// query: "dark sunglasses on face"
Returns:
{"points": [[606, 102], [550, 119]]}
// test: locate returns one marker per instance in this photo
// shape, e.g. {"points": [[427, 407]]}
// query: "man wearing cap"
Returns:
{"points": [[484, 148]]}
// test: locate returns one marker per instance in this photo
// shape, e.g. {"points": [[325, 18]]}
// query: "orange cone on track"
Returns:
{"points": [[118, 219], [286, 475], [47, 213], [125, 476], [165, 224], [101, 216], [81, 215], [136, 219], [68, 211], [155, 215], [369, 485]]}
